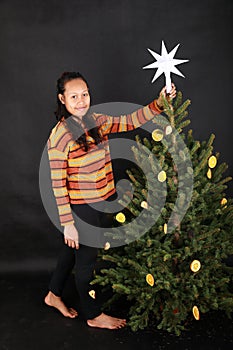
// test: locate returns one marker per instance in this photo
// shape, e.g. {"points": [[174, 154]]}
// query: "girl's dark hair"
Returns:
{"points": [[88, 120]]}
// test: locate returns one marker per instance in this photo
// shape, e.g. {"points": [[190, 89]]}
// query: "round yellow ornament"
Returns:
{"points": [[92, 294], [144, 205], [196, 313], [150, 279], [195, 265], [212, 162], [107, 246], [168, 130], [209, 174], [223, 201], [162, 176], [157, 135], [120, 217]]}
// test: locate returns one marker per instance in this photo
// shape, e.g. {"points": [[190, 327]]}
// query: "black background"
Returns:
{"points": [[107, 42]]}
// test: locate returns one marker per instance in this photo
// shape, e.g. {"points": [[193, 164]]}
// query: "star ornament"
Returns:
{"points": [[166, 64]]}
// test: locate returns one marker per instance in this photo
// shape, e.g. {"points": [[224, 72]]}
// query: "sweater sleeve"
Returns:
{"points": [[112, 124], [58, 152]]}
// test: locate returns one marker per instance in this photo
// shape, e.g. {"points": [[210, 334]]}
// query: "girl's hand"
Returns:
{"points": [[169, 97], [71, 236]]}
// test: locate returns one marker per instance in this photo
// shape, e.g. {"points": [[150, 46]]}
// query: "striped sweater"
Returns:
{"points": [[80, 177]]}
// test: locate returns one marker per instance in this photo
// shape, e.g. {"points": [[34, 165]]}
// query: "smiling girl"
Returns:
{"points": [[81, 172]]}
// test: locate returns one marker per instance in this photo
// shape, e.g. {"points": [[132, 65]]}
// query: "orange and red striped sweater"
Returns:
{"points": [[80, 177]]}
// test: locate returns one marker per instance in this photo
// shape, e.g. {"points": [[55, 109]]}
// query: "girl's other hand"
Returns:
{"points": [[71, 236]]}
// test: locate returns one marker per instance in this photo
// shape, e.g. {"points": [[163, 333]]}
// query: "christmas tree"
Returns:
{"points": [[176, 271]]}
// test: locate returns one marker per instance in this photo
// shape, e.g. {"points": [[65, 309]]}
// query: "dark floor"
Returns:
{"points": [[26, 323]]}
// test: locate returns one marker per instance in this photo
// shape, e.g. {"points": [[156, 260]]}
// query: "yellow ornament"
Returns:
{"points": [[165, 228], [144, 205], [107, 246], [150, 279], [120, 217], [168, 130], [209, 174], [212, 162], [196, 313], [223, 201], [92, 294], [195, 265], [162, 176], [157, 135]]}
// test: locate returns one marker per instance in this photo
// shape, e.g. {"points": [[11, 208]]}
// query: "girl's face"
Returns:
{"points": [[76, 97]]}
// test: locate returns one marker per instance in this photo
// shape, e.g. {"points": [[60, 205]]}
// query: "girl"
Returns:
{"points": [[81, 173]]}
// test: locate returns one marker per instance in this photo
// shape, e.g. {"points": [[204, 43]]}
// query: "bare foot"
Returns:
{"points": [[52, 300], [105, 321]]}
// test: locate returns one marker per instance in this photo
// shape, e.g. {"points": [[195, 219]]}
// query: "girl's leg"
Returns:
{"points": [[62, 271], [65, 265], [85, 258], [84, 267]]}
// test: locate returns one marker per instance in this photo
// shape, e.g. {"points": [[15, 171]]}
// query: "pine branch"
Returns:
{"points": [[181, 117], [178, 100], [182, 108]]}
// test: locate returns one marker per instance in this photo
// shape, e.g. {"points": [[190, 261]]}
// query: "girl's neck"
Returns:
{"points": [[79, 121]]}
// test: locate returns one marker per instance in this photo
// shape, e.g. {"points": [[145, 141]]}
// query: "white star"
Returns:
{"points": [[166, 64]]}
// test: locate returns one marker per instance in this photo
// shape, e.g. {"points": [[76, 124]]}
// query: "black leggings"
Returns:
{"points": [[83, 259]]}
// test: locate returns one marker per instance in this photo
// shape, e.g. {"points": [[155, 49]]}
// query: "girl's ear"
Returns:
{"points": [[61, 98]]}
